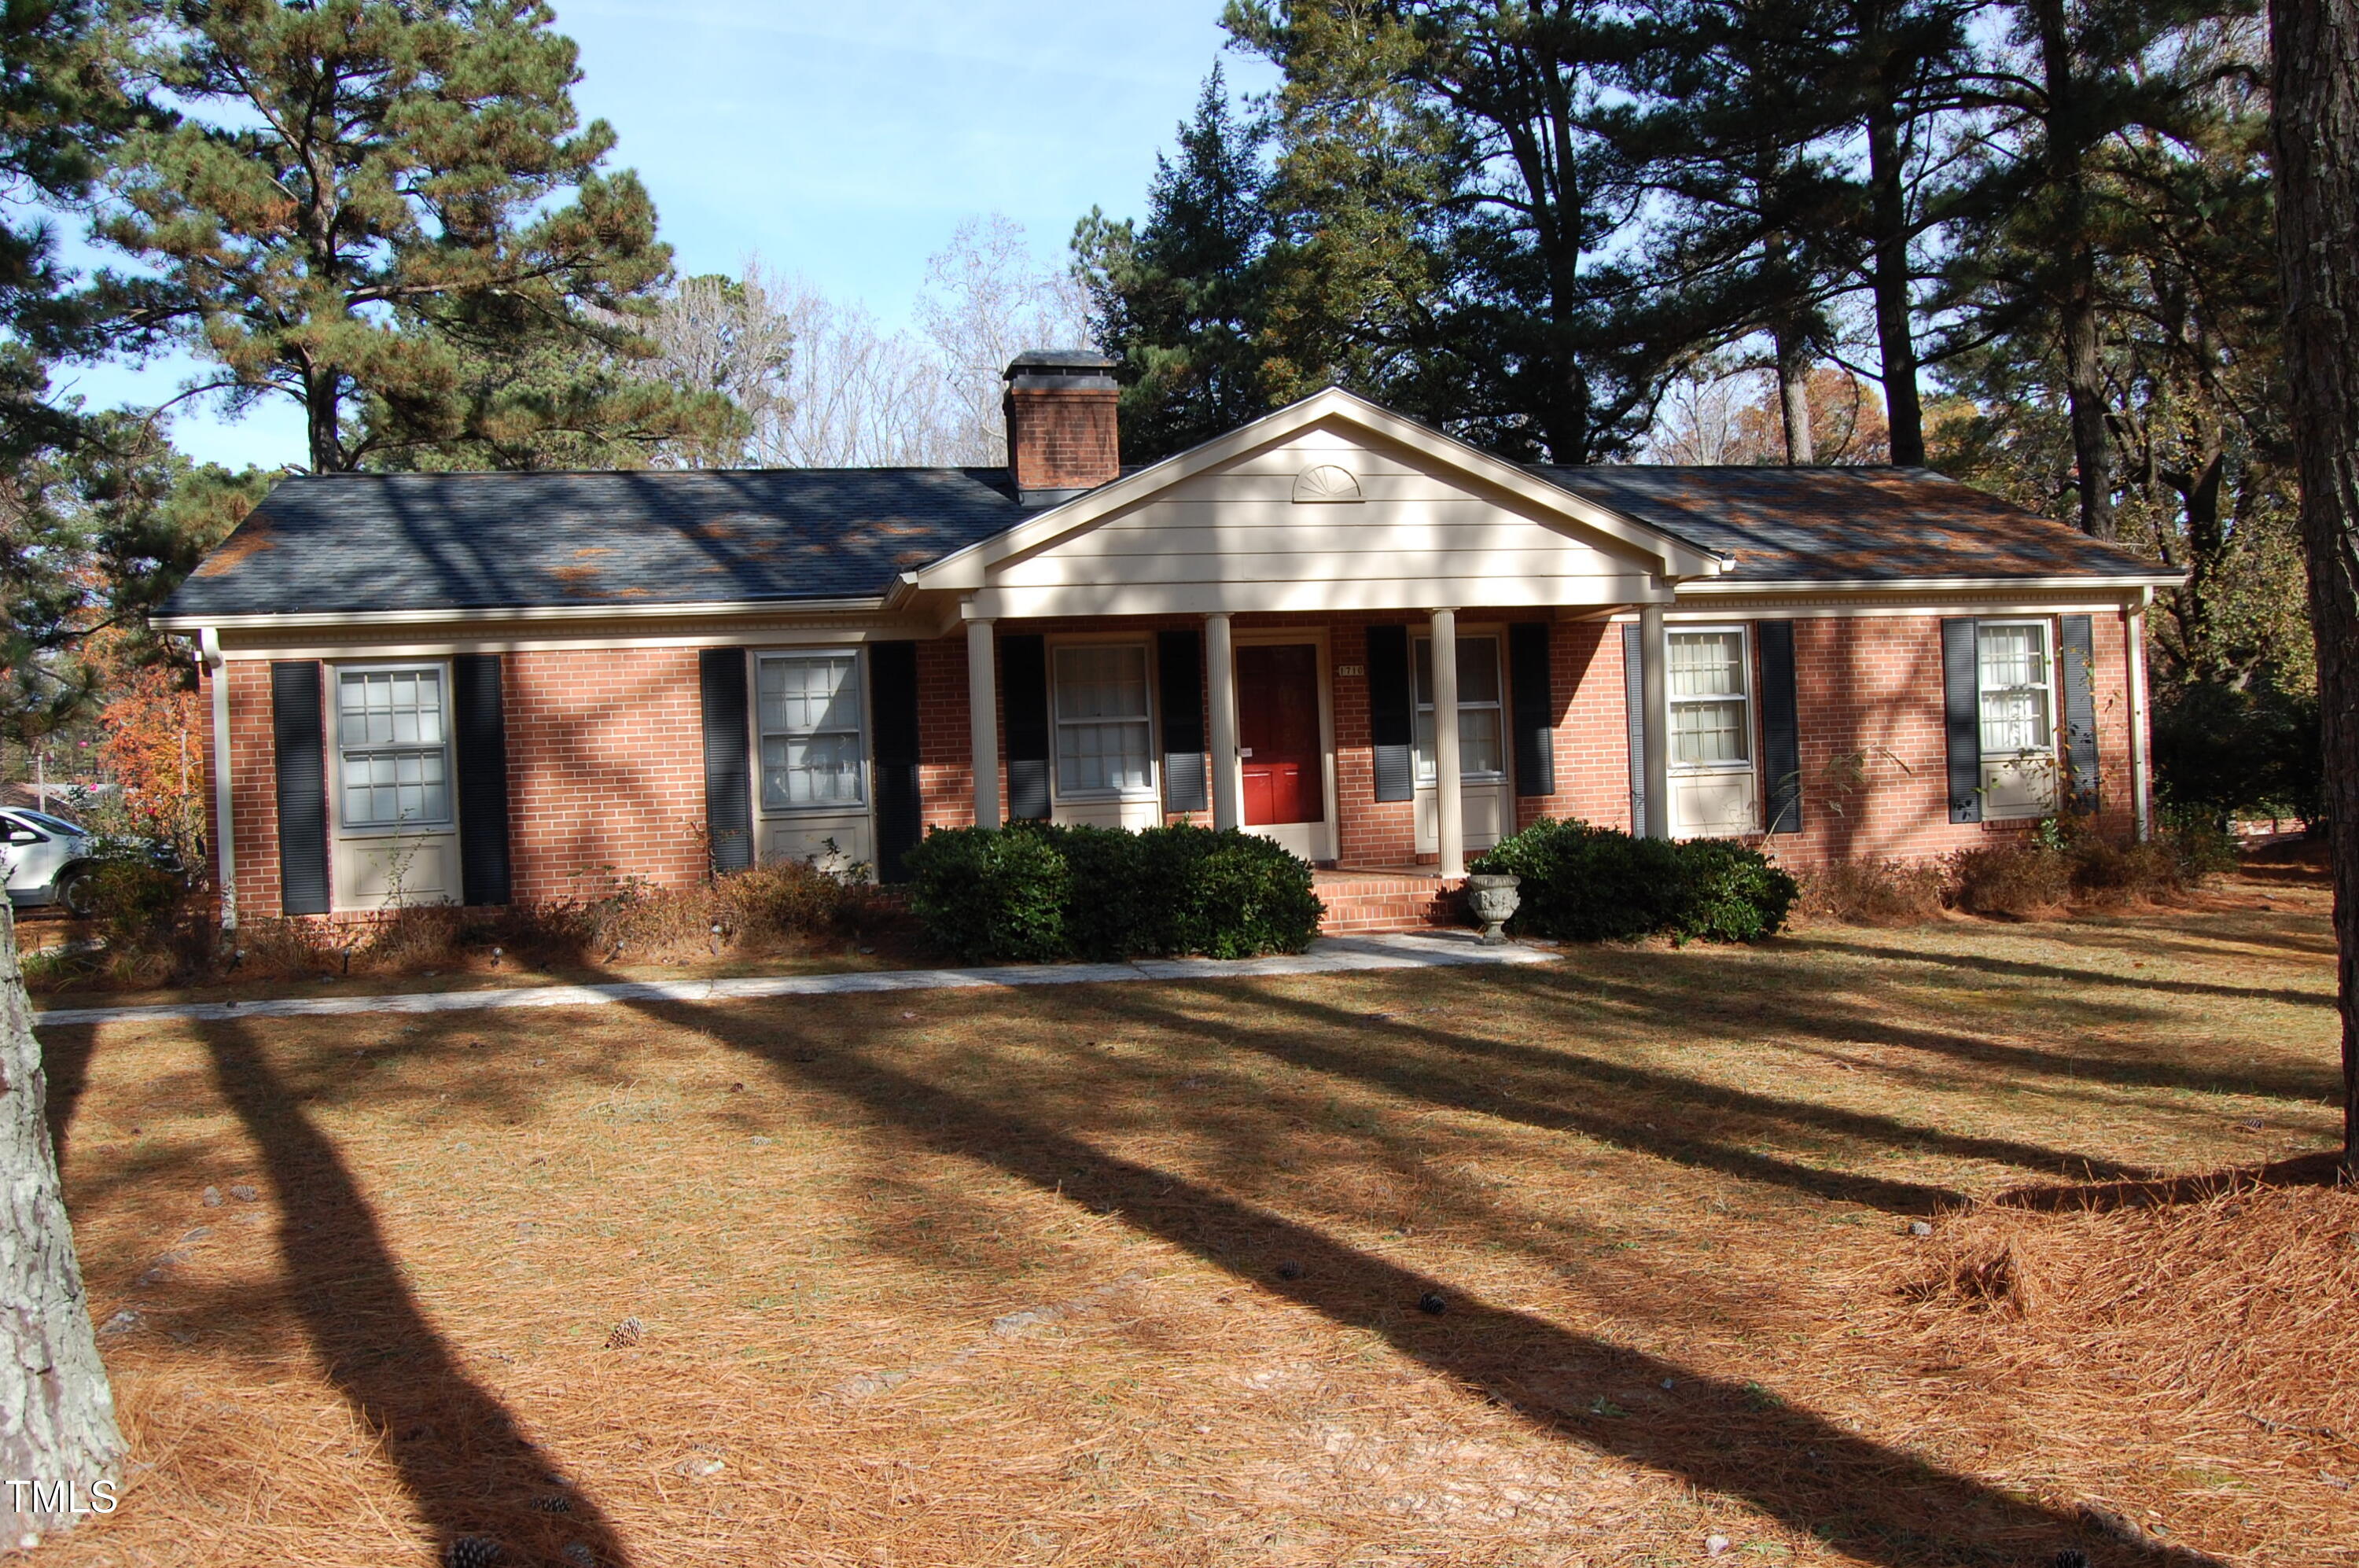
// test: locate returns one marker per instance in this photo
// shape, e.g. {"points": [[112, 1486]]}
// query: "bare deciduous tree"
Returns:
{"points": [[989, 300]]}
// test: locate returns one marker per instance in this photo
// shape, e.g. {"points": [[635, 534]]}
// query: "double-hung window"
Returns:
{"points": [[1482, 755], [1709, 675], [1711, 722], [393, 743], [1103, 739], [811, 740], [2016, 677]]}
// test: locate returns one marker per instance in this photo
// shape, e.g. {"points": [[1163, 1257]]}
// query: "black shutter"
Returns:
{"points": [[1961, 718], [1392, 714], [2079, 661], [1781, 739], [299, 745], [1180, 670], [1634, 705], [1023, 699], [893, 710], [1528, 671], [481, 733], [728, 758]]}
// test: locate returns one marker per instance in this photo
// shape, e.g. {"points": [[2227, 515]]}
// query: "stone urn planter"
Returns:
{"points": [[1493, 898]]}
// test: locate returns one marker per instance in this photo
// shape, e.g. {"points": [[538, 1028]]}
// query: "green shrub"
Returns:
{"points": [[1731, 893], [1583, 883], [985, 895], [1037, 891]]}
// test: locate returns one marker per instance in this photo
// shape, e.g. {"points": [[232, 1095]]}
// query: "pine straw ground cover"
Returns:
{"points": [[1131, 1273]]}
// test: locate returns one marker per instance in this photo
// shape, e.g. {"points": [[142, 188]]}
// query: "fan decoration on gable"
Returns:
{"points": [[1325, 482]]}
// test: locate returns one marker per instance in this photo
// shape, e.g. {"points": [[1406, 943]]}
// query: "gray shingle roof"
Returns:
{"points": [[465, 541], [1847, 524], [483, 541]]}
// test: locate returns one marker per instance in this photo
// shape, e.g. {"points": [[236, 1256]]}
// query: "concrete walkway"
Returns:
{"points": [[1328, 955]]}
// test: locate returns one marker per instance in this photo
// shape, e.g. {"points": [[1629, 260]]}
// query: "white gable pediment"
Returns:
{"points": [[1328, 510]]}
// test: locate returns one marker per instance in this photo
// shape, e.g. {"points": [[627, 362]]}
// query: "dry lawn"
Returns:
{"points": [[1131, 1274]]}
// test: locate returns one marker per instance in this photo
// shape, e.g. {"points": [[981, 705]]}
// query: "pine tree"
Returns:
{"points": [[2086, 77], [2317, 144], [1448, 207], [1179, 301], [390, 214]]}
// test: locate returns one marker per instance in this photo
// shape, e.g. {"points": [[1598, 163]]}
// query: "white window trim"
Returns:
{"points": [[2051, 754], [854, 807], [1152, 788], [336, 748], [1421, 704], [1747, 696]]}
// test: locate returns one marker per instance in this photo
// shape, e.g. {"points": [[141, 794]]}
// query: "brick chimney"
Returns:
{"points": [[1060, 424]]}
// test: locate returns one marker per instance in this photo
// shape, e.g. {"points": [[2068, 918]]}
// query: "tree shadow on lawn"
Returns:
{"points": [[460, 1452], [1881, 1505], [1984, 964], [1671, 1002], [1630, 1106]]}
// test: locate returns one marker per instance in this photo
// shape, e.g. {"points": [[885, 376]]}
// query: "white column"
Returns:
{"points": [[1449, 813], [1221, 669], [983, 720], [1655, 719], [209, 653], [2142, 808]]}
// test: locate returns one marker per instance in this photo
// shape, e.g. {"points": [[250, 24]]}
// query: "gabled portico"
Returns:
{"points": [[1333, 508]]}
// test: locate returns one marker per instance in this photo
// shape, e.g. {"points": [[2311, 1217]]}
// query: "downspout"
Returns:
{"points": [[2136, 637], [209, 653]]}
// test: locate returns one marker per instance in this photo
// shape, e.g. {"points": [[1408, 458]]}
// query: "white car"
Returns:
{"points": [[46, 860]]}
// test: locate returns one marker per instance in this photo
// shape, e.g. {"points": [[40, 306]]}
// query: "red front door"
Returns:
{"points": [[1277, 730]]}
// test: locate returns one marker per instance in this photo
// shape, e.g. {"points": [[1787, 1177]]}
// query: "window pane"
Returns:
{"points": [[1108, 756], [1707, 664], [1423, 748], [1478, 669], [1101, 683], [398, 707], [2015, 721], [2014, 656], [799, 695], [811, 770], [1478, 741], [1705, 733], [389, 788]]}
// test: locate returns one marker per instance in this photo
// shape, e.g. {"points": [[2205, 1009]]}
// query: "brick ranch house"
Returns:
{"points": [[1335, 626]]}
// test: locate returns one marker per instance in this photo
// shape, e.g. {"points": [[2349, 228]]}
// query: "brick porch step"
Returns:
{"points": [[1363, 902]]}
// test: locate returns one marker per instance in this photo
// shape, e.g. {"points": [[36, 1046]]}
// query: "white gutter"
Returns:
{"points": [[209, 653], [2140, 806], [524, 613], [2144, 581]]}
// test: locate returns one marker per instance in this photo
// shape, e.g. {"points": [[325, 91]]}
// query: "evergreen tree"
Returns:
{"points": [[1179, 301], [388, 213], [2083, 79], [1448, 209]]}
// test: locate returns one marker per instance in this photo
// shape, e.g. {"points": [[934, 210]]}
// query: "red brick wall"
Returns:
{"points": [[605, 768], [254, 783], [1063, 438], [606, 764]]}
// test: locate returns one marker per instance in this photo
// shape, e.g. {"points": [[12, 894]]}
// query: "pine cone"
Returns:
{"points": [[472, 1551], [627, 1333]]}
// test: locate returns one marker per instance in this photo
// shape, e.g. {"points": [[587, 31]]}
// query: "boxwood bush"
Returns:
{"points": [[1583, 883], [1032, 891]]}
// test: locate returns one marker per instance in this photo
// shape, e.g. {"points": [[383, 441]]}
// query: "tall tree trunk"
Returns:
{"points": [[2076, 309], [2317, 131], [1794, 399], [56, 1414], [322, 410], [1888, 217]]}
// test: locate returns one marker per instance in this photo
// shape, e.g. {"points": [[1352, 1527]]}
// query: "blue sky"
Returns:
{"points": [[845, 141]]}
